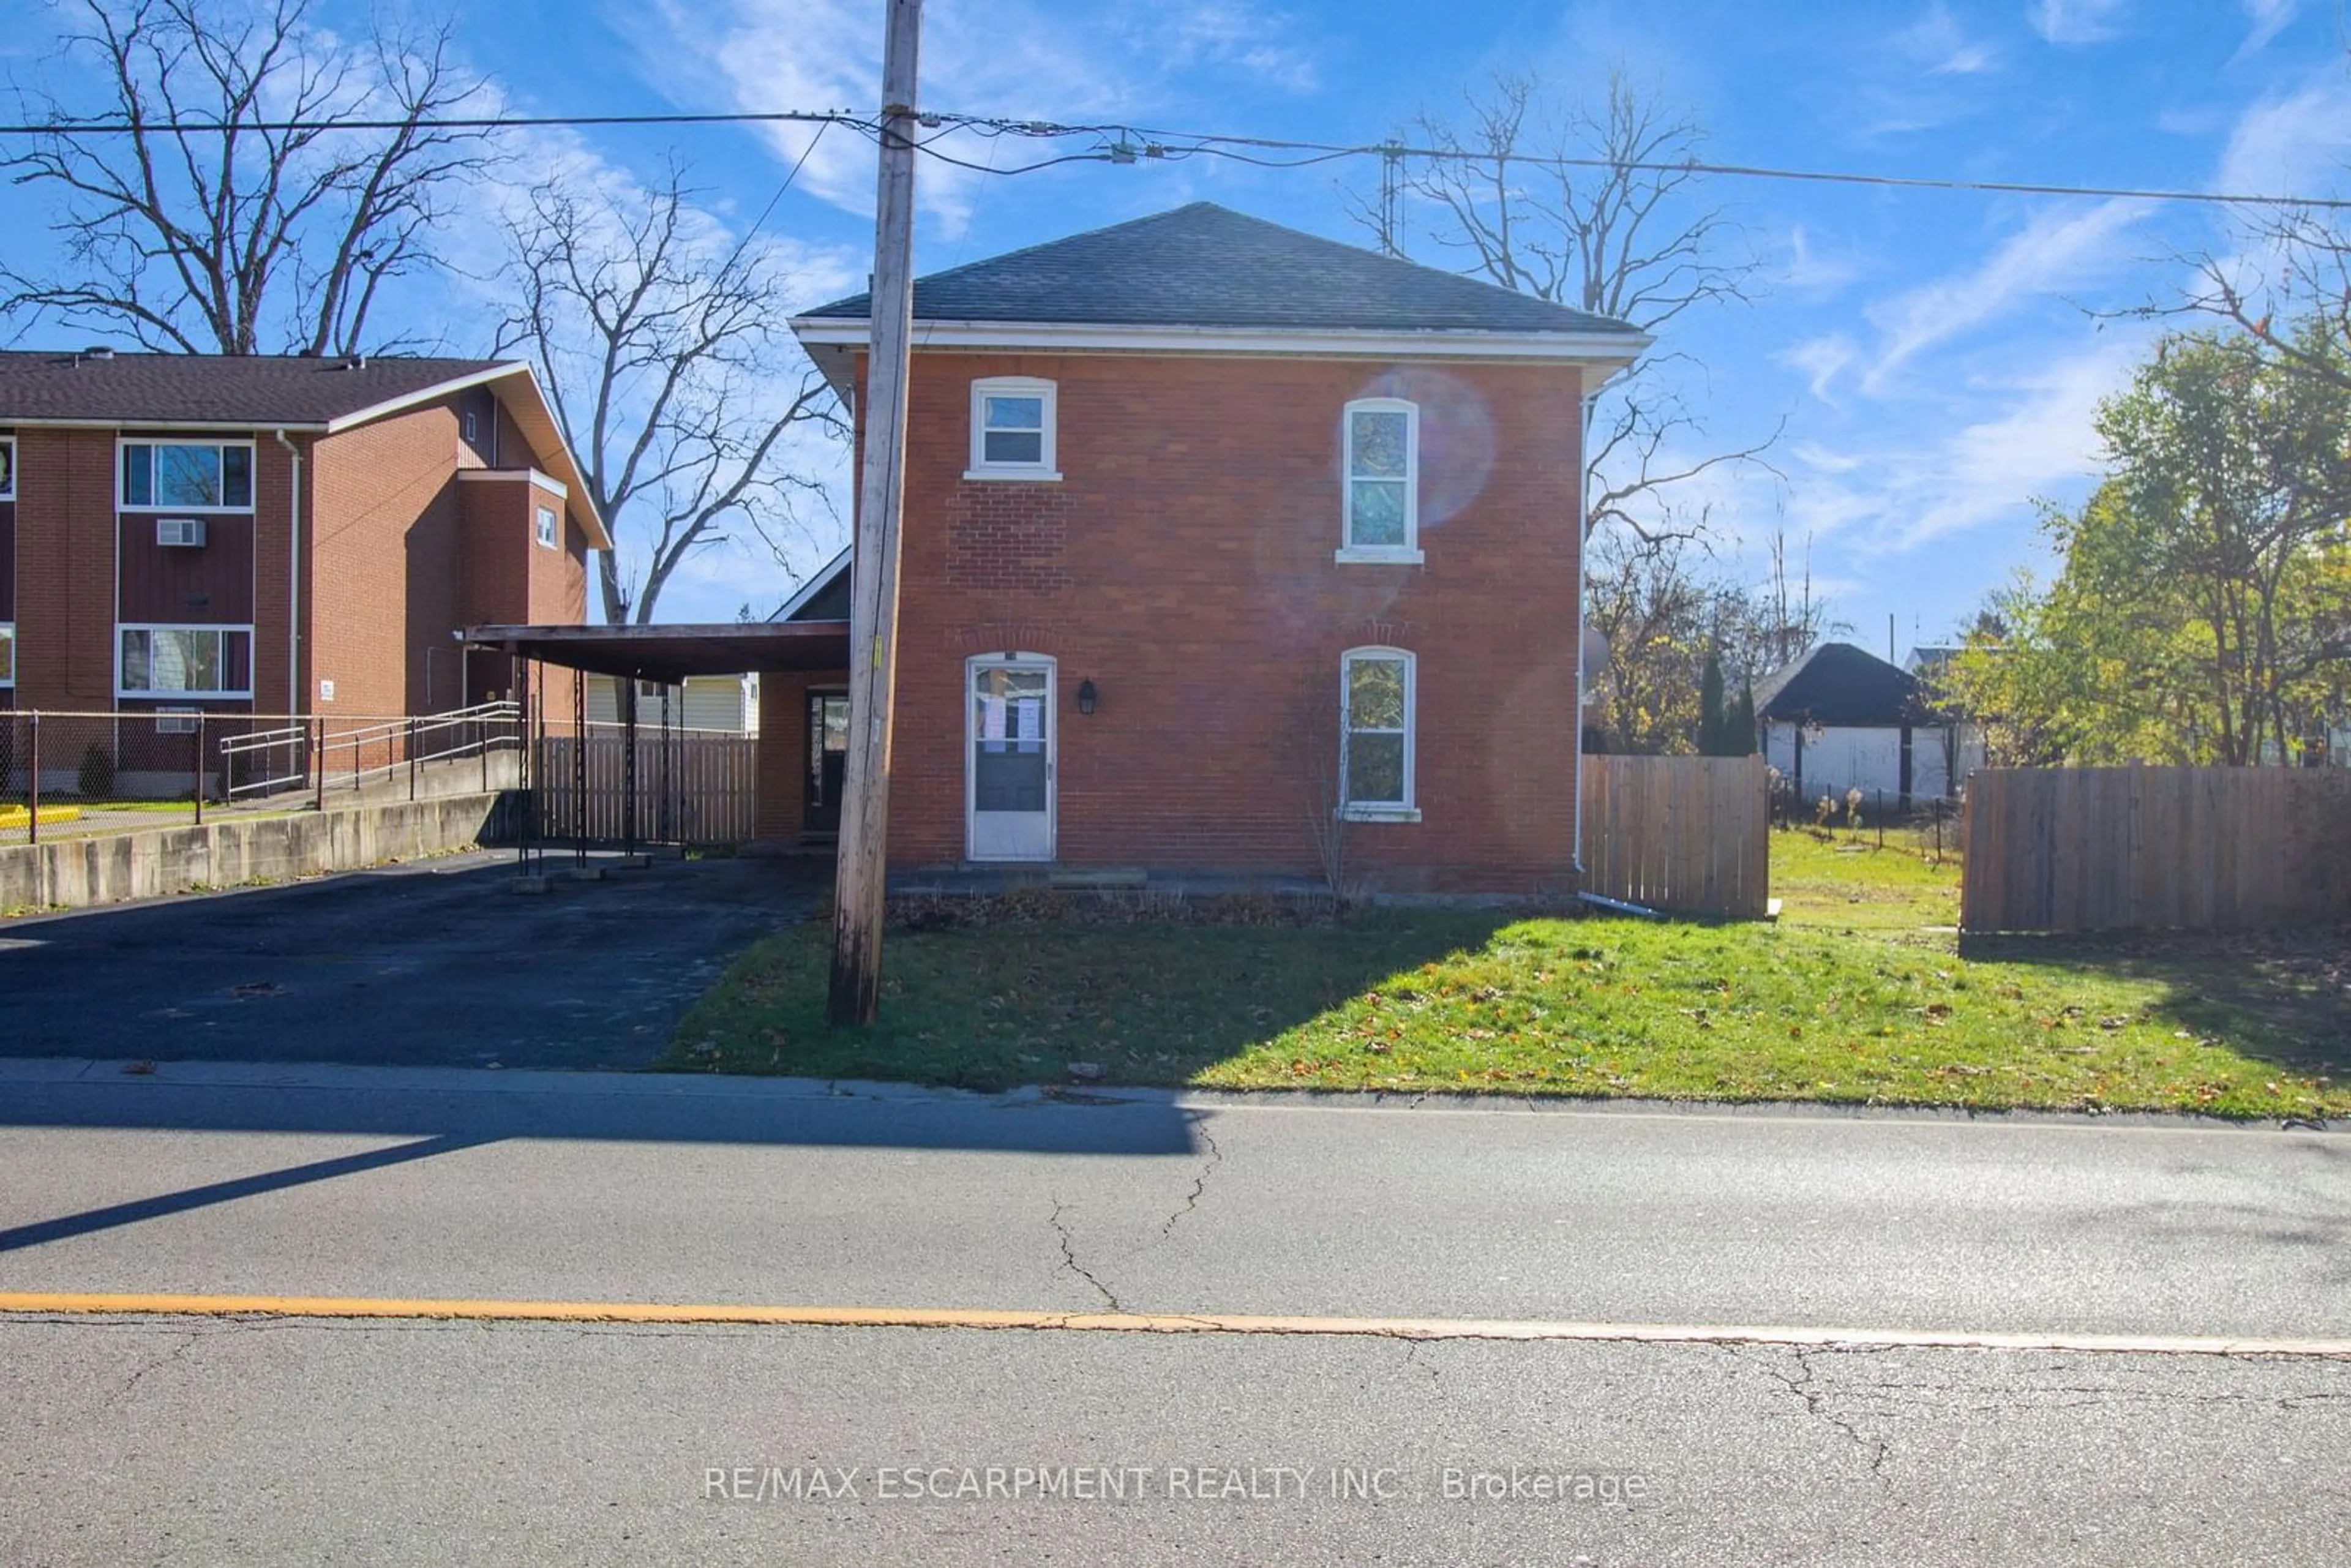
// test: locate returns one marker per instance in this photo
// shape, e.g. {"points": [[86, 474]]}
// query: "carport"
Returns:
{"points": [[563, 792]]}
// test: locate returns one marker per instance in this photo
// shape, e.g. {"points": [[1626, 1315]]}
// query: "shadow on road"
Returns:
{"points": [[439, 1114], [120, 1213]]}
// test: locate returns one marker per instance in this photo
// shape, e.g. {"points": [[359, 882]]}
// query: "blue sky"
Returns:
{"points": [[1933, 355]]}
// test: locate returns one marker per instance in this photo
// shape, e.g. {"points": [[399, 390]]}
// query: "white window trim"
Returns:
{"points": [[238, 692], [1409, 552], [8, 490], [122, 502], [1407, 809], [541, 537], [1047, 469], [8, 673]]}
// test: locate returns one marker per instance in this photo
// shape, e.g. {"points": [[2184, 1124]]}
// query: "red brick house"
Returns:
{"points": [[1217, 533], [275, 534]]}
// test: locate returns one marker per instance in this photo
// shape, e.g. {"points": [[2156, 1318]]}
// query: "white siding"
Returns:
{"points": [[1837, 759], [728, 703]]}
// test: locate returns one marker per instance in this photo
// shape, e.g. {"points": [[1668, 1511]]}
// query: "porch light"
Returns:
{"points": [[1087, 695]]}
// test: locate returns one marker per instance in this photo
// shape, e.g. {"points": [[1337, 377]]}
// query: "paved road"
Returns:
{"points": [[167, 1442], [697, 1189], [207, 1440], [432, 963]]}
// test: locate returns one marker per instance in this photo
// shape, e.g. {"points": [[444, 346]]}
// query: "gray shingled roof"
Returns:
{"points": [[1206, 265], [210, 388], [1838, 685]]}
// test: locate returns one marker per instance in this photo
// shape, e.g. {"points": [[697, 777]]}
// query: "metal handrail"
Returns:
{"points": [[481, 729]]}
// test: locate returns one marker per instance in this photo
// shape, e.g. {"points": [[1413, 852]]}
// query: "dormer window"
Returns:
{"points": [[1012, 429], [1382, 465]]}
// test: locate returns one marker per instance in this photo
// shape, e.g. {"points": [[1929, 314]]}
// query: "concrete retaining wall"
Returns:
{"points": [[68, 874]]}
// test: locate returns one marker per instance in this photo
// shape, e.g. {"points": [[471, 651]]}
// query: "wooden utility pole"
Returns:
{"points": [[861, 862]]}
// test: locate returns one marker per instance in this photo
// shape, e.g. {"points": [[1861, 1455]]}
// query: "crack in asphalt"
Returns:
{"points": [[2094, 1399], [1191, 1201], [1805, 1387], [1069, 1258], [187, 1341], [1200, 1183]]}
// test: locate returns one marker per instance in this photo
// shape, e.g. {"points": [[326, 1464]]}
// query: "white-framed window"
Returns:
{"points": [[1381, 459], [186, 476], [183, 660], [1012, 420], [1377, 702], [8, 467], [545, 531], [8, 653]]}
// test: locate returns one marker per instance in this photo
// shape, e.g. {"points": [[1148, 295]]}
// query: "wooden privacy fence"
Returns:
{"points": [[2150, 849], [1686, 833], [703, 794]]}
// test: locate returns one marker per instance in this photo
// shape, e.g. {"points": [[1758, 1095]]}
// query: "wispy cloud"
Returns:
{"points": [[2021, 439], [1251, 41], [1015, 59], [2269, 17], [2181, 119], [1821, 359], [2045, 441], [1938, 45], [2290, 145], [2075, 21], [2059, 249], [1922, 75], [1815, 271]]}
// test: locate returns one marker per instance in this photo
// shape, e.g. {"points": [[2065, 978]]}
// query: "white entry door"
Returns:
{"points": [[1008, 758]]}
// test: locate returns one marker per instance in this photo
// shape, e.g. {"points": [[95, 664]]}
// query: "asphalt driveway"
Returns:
{"points": [[436, 964]]}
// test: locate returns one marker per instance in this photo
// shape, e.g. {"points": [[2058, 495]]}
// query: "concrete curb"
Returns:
{"points": [[231, 1075]]}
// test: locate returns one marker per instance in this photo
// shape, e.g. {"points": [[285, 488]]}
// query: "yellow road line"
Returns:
{"points": [[85, 1303]]}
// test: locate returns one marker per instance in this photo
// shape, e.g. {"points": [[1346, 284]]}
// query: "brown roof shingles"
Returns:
{"points": [[211, 389]]}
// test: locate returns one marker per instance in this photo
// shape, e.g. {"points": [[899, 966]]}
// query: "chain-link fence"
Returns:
{"points": [[76, 773]]}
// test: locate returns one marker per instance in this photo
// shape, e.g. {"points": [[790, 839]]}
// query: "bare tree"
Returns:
{"points": [[1316, 739], [234, 212], [661, 345], [2288, 287], [1594, 208], [1667, 607]]}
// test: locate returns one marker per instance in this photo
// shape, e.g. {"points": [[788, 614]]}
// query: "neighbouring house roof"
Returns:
{"points": [[1837, 684], [313, 395], [823, 597], [1165, 280], [189, 390], [1206, 265]]}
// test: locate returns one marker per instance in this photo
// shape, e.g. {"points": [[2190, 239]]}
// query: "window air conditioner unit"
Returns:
{"points": [[176, 720], [181, 531]]}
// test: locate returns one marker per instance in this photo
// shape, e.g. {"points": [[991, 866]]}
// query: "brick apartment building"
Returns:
{"points": [[1215, 533], [275, 534]]}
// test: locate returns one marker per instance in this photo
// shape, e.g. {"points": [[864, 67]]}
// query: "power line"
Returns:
{"points": [[472, 122], [1166, 144], [1136, 144]]}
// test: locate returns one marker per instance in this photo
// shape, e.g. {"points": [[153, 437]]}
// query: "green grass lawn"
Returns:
{"points": [[1860, 994], [1844, 882]]}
